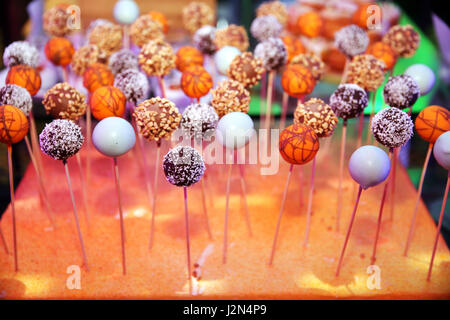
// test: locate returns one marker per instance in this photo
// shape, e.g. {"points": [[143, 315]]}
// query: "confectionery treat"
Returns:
{"points": [[234, 130], [21, 52], [97, 75], [404, 40], [366, 71], [362, 17], [157, 58], [106, 102], [145, 29], [401, 92], [432, 122], [423, 75], [188, 56], [224, 57], [113, 136], [230, 96], [64, 102], [232, 35], [86, 56], [26, 77], [265, 27], [61, 139], [334, 59], [16, 96], [199, 121], [196, 15], [126, 11], [297, 81], [275, 8], [392, 127], [13, 124], [310, 24], [272, 53], [183, 166], [196, 82], [311, 62], [59, 51], [157, 118], [441, 150], [204, 39], [161, 18], [348, 101], [298, 144], [246, 69], [133, 84], [123, 60], [55, 21], [318, 115], [383, 52], [95, 23], [107, 37], [294, 46], [351, 40]]}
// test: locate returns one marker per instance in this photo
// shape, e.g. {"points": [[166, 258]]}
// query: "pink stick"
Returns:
{"points": [[244, 193], [284, 104], [83, 189], [205, 210], [13, 208], [269, 100], [262, 96], [225, 237], [162, 87], [394, 176], [122, 228], [310, 200], [341, 175], [155, 192], [360, 129], [188, 244]]}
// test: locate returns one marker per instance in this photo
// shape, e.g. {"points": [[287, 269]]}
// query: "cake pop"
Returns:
{"points": [[157, 58], [107, 101], [59, 51], [85, 56], [297, 81], [199, 121], [162, 19], [401, 92], [188, 56], [196, 15], [107, 37], [272, 52], [204, 39], [97, 75], [64, 102], [224, 57], [404, 40], [294, 46], [364, 16], [21, 52], [196, 82], [383, 52], [55, 21], [348, 101], [133, 84], [423, 76], [312, 62], [275, 8], [230, 96], [310, 24], [351, 40], [265, 27], [232, 35], [16, 96], [246, 69], [126, 11], [392, 127], [122, 60], [366, 71], [26, 77], [145, 29], [318, 115], [334, 59]]}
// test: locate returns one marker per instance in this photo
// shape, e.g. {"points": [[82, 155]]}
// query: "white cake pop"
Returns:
{"points": [[423, 75], [224, 57], [441, 150], [126, 11], [235, 130], [113, 136]]}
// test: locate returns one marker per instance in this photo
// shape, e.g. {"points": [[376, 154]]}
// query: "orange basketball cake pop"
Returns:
{"points": [[432, 122], [294, 46], [383, 52], [404, 40], [366, 71], [230, 96], [157, 58], [64, 102], [196, 15], [97, 75], [234, 36], [145, 29], [188, 56], [13, 124], [26, 77], [246, 69], [161, 18], [297, 81], [310, 24], [298, 144], [107, 101], [196, 82], [59, 51]]}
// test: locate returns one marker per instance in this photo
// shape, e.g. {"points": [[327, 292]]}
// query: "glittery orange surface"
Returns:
{"points": [[297, 272]]}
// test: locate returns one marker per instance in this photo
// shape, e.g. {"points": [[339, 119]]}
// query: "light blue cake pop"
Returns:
{"points": [[113, 136], [126, 11], [423, 75], [369, 166], [441, 150]]}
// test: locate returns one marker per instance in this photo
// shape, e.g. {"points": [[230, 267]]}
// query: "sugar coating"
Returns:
{"points": [[123, 60], [16, 96], [145, 29], [157, 58], [183, 166], [351, 40], [196, 15], [204, 39], [272, 52], [63, 101], [234, 36], [275, 8], [230, 96], [265, 27], [199, 121], [133, 84], [392, 127], [401, 92], [318, 115], [21, 52], [366, 71], [246, 69], [348, 101], [312, 62], [61, 139]]}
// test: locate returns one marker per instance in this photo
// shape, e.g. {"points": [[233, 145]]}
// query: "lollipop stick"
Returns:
{"points": [[162, 87], [244, 193], [205, 210], [311, 195], [341, 175], [122, 228], [348, 231], [360, 129], [83, 188], [155, 192], [262, 96], [283, 201], [126, 37], [418, 197], [2, 237], [13, 208], [225, 234], [284, 105], [372, 113], [65, 74], [344, 73], [35, 143], [88, 143], [300, 187], [188, 243], [269, 99], [441, 216], [394, 175], [75, 213]]}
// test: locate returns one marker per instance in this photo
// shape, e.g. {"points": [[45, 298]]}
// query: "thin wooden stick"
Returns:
{"points": [[83, 189], [162, 87], [225, 234], [269, 99], [360, 130], [205, 210], [75, 213], [35, 144], [418, 197], [65, 74], [394, 177], [348, 231], [283, 201], [2, 237], [310, 200], [155, 192], [341, 174], [300, 187], [344, 73], [88, 143], [244, 193], [126, 37], [13, 207], [188, 243], [262, 96], [441, 217], [284, 104], [122, 227], [369, 138]]}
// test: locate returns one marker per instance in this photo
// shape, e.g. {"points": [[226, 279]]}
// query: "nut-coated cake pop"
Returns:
{"points": [[318, 115]]}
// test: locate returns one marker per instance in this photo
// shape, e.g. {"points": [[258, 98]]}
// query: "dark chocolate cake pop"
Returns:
{"points": [[348, 101], [401, 92], [183, 166], [123, 60], [272, 52], [392, 127], [199, 121], [21, 52], [133, 84], [16, 96]]}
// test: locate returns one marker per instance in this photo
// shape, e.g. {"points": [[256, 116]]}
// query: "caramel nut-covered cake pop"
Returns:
{"points": [[107, 37], [133, 84], [232, 35], [21, 52], [123, 60], [13, 124], [383, 52], [230, 96], [55, 21], [204, 39], [97, 75], [26, 77], [366, 71], [265, 27], [404, 40], [145, 29], [16, 96], [85, 57], [64, 102], [318, 115], [272, 53], [401, 91], [348, 101], [297, 81], [392, 127], [199, 121], [196, 82], [275, 8], [188, 56], [61, 139], [157, 118], [59, 51], [157, 58], [196, 15], [246, 69], [312, 62], [351, 40]]}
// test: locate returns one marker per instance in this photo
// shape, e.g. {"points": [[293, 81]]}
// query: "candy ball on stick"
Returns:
{"points": [[183, 166], [383, 52], [196, 15], [441, 150], [366, 71], [113, 136], [157, 58], [26, 77], [97, 75], [55, 21], [246, 69], [188, 56], [265, 27], [392, 127], [432, 122], [230, 96], [297, 81], [235, 130], [21, 52], [404, 40], [232, 35], [423, 76], [64, 102], [107, 101], [401, 92], [107, 37], [298, 144], [123, 60], [145, 29], [199, 121], [294, 46], [275, 8], [85, 57], [351, 40], [312, 62], [348, 101], [13, 124], [161, 18], [59, 51], [272, 52], [196, 82], [310, 24], [133, 84], [224, 57], [363, 16], [204, 39], [318, 115], [126, 11], [16, 96]]}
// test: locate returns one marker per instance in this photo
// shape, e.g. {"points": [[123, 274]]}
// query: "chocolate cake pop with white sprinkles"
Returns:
{"points": [[351, 40], [348, 101], [265, 27], [16, 96], [123, 60], [133, 84], [401, 92], [392, 127], [21, 52], [183, 166], [61, 139], [199, 121], [204, 39], [272, 52]]}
